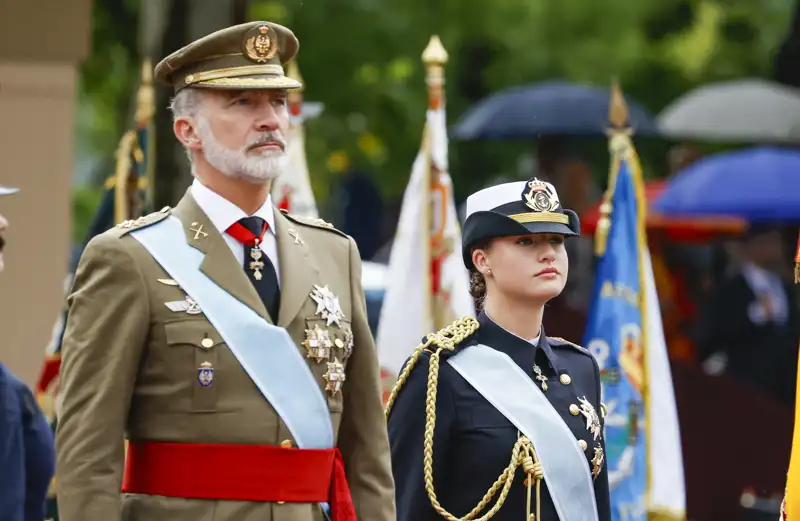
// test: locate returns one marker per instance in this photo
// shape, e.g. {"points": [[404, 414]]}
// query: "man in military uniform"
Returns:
{"points": [[27, 453], [227, 341]]}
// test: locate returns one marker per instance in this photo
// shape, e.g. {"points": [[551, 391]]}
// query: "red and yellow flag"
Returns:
{"points": [[791, 503]]}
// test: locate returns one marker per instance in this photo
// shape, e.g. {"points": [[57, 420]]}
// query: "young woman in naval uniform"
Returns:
{"points": [[490, 418]]}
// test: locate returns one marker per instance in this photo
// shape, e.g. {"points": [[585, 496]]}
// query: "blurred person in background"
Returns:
{"points": [[27, 451], [749, 328]]}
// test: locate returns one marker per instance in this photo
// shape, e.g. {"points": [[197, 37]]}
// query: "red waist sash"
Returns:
{"points": [[239, 473]]}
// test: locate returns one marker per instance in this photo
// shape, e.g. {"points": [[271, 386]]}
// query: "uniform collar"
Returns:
{"points": [[503, 340], [223, 213]]}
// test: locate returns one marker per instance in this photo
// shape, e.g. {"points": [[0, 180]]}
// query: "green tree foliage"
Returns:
{"points": [[361, 58]]}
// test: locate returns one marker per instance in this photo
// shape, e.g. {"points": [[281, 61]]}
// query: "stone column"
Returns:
{"points": [[41, 46]]}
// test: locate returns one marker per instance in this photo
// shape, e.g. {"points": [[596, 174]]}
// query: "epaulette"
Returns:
{"points": [[563, 342], [314, 222], [143, 221]]}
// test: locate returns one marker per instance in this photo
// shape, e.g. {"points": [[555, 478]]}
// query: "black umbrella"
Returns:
{"points": [[548, 108]]}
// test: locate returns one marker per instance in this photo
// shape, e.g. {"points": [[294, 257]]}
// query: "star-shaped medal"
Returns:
{"points": [[592, 420], [327, 305]]}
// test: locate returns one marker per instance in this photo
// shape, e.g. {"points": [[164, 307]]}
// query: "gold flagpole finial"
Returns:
{"points": [[146, 97], [617, 108], [435, 53], [295, 95], [435, 57], [618, 131]]}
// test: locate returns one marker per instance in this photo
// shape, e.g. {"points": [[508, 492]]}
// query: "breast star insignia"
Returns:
{"points": [[318, 344], [327, 305], [592, 420], [335, 377]]}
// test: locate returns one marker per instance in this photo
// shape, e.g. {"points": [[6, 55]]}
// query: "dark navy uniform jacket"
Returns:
{"points": [[27, 452], [473, 440]]}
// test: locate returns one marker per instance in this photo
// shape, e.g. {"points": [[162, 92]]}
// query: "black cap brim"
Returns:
{"points": [[482, 226]]}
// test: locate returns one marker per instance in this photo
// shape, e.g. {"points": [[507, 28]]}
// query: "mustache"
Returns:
{"points": [[267, 139]]}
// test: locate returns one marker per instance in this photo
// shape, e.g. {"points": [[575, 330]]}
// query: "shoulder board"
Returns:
{"points": [[314, 222], [558, 341], [143, 221]]}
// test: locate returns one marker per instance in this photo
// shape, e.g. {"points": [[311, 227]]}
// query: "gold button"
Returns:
{"points": [[189, 79], [286, 444], [583, 444], [573, 410], [339, 343], [565, 379], [207, 343]]}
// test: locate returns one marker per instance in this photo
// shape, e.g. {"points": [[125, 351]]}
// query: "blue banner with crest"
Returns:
{"points": [[614, 336]]}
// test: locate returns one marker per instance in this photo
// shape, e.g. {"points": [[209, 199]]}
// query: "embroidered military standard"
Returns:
{"points": [[318, 344], [327, 305]]}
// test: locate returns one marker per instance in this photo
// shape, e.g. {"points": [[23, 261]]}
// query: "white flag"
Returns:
{"points": [[667, 491], [292, 190], [408, 313]]}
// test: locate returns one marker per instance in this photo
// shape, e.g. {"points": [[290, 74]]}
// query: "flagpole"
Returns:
{"points": [[434, 57], [621, 148]]}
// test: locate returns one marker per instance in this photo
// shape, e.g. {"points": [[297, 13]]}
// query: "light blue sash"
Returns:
{"points": [[266, 352], [519, 399]]}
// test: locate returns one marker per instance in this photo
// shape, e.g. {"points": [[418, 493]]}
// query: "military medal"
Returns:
{"points": [[592, 420], [348, 343], [327, 305], [597, 461], [318, 344], [256, 264], [205, 374], [335, 377], [539, 376]]}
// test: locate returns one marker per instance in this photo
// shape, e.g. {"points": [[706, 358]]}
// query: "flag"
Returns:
{"points": [[790, 509], [125, 196], [427, 283], [625, 333], [291, 191]]}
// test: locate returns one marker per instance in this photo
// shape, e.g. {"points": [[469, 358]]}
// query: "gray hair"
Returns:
{"points": [[186, 104]]}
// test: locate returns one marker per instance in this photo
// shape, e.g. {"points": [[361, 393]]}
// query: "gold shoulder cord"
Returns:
{"points": [[521, 455]]}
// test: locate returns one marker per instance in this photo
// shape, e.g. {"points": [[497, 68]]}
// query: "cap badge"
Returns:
{"points": [[540, 196], [260, 47]]}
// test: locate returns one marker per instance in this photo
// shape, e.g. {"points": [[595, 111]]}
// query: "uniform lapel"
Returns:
{"points": [[298, 270], [219, 264]]}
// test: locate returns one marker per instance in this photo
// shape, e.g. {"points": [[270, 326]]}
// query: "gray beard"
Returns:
{"points": [[236, 164]]}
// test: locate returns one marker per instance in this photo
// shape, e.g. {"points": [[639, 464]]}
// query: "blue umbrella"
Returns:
{"points": [[548, 108], [757, 184]]}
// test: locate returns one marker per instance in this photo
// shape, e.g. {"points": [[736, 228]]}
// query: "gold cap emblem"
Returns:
{"points": [[540, 196], [258, 46]]}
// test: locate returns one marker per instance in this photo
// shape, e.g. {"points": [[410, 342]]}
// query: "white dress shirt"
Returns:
{"points": [[224, 213]]}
